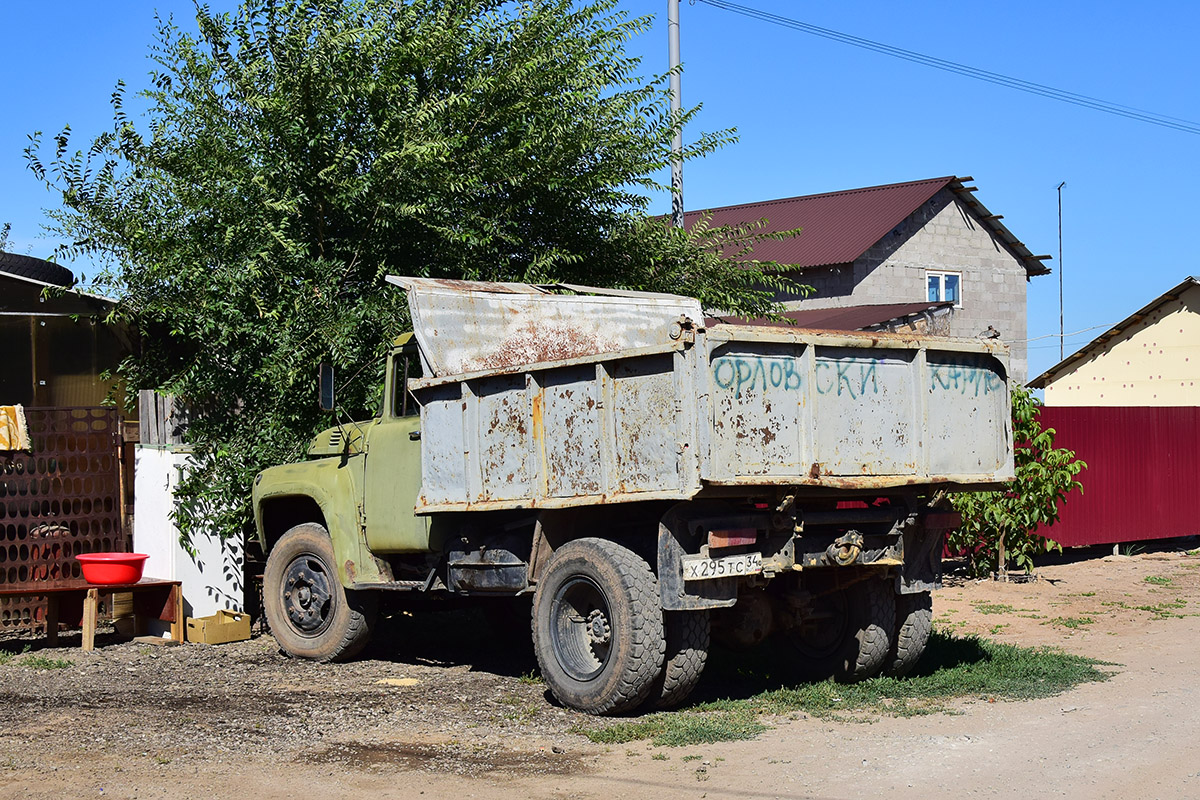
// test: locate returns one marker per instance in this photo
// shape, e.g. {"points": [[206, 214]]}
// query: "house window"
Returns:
{"points": [[944, 286]]}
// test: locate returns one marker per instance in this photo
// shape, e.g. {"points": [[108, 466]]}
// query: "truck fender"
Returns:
{"points": [[331, 486]]}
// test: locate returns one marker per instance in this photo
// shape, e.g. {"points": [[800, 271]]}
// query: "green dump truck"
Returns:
{"points": [[650, 478]]}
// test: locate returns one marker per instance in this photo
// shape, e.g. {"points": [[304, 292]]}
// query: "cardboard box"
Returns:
{"points": [[221, 627]]}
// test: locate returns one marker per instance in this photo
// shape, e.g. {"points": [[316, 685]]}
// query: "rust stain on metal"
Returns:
{"points": [[547, 341], [351, 571]]}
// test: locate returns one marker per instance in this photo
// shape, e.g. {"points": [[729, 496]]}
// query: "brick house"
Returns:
{"points": [[920, 247]]}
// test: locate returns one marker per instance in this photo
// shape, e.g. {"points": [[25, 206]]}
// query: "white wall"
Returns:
{"points": [[212, 575]]}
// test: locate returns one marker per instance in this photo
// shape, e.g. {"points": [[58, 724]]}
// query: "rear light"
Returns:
{"points": [[732, 537]]}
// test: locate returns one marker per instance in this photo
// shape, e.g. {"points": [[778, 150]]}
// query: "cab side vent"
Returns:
{"points": [[335, 439]]}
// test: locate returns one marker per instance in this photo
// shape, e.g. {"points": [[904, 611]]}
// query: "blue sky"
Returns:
{"points": [[816, 116]]}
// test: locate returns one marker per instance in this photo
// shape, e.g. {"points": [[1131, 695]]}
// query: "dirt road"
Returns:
{"points": [[442, 714]]}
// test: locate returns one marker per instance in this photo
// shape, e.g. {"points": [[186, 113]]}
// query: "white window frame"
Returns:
{"points": [[941, 274]]}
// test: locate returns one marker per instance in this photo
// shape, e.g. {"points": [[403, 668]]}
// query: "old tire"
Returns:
{"points": [[598, 627], [854, 642], [310, 614], [914, 623], [686, 634], [36, 269]]}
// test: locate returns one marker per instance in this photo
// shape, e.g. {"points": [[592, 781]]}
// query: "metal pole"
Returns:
{"points": [[1061, 329], [676, 112]]}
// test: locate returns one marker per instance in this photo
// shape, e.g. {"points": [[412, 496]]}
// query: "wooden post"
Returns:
{"points": [[1002, 564], [177, 626], [90, 609]]}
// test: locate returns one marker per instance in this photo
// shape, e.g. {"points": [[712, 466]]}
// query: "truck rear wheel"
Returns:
{"points": [[914, 623], [598, 627], [310, 614], [851, 634], [687, 638]]}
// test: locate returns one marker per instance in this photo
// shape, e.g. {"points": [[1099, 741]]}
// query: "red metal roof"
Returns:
{"points": [[838, 227], [845, 318]]}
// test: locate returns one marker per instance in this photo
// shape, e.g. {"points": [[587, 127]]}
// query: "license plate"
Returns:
{"points": [[699, 568]]}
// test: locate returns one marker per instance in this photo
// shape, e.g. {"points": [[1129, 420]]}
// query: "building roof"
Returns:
{"points": [[845, 318], [1072, 361], [838, 227]]}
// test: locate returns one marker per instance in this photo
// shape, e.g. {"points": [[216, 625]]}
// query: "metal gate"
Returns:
{"points": [[58, 500]]}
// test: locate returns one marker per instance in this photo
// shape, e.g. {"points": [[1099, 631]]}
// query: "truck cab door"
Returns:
{"points": [[393, 466]]}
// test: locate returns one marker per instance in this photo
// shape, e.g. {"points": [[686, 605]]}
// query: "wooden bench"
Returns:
{"points": [[153, 598]]}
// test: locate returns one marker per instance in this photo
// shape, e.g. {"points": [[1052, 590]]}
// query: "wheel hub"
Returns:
{"points": [[581, 628], [307, 596], [599, 631]]}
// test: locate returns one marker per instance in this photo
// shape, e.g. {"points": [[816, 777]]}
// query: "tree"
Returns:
{"points": [[1011, 520], [297, 151]]}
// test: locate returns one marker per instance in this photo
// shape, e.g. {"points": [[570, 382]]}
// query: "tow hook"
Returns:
{"points": [[846, 549]]}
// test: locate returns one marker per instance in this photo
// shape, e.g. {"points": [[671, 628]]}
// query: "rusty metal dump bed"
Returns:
{"points": [[667, 418]]}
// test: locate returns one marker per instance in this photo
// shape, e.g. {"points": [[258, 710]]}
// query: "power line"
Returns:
{"points": [[1094, 103]]}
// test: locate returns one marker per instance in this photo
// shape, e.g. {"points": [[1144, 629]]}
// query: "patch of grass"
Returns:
{"points": [[1168, 609], [1084, 594], [951, 669], [997, 628], [683, 728], [39, 661], [993, 608], [1074, 623], [660, 757], [1158, 580], [686, 759], [531, 678]]}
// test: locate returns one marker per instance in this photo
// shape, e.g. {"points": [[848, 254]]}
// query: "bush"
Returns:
{"points": [[1011, 520]]}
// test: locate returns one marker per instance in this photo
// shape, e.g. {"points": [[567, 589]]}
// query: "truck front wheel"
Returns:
{"points": [[598, 627], [310, 614]]}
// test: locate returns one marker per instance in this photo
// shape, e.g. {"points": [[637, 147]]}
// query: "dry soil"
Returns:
{"points": [[444, 709]]}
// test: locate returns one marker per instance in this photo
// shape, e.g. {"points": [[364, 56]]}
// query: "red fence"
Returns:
{"points": [[1143, 475]]}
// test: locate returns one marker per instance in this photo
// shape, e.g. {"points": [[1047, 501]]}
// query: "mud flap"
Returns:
{"points": [[674, 542], [923, 543]]}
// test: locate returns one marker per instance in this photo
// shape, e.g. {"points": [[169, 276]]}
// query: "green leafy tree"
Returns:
{"points": [[295, 152], [1011, 520]]}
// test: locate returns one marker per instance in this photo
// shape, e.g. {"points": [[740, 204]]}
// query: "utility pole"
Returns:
{"points": [[676, 113], [1061, 329]]}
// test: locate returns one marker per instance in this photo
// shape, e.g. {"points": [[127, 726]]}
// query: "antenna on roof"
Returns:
{"points": [[1061, 337]]}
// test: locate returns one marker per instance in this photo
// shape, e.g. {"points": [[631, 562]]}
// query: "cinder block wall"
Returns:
{"points": [[943, 234]]}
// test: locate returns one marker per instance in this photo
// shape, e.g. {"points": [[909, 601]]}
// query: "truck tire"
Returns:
{"points": [[598, 627], [914, 623], [854, 643], [310, 614], [687, 639]]}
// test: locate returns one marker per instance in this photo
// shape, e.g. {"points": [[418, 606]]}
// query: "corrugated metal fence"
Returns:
{"points": [[1143, 475]]}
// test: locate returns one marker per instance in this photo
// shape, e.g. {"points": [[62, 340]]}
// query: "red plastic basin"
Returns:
{"points": [[107, 569]]}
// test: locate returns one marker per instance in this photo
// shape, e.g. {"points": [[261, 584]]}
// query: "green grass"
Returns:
{"points": [[953, 668], [993, 608], [1074, 623], [38, 661], [1158, 580]]}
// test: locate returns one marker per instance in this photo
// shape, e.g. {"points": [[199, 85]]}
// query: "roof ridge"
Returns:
{"points": [[944, 180]]}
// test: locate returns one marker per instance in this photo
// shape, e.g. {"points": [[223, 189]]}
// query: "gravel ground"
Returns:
{"points": [[445, 706]]}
